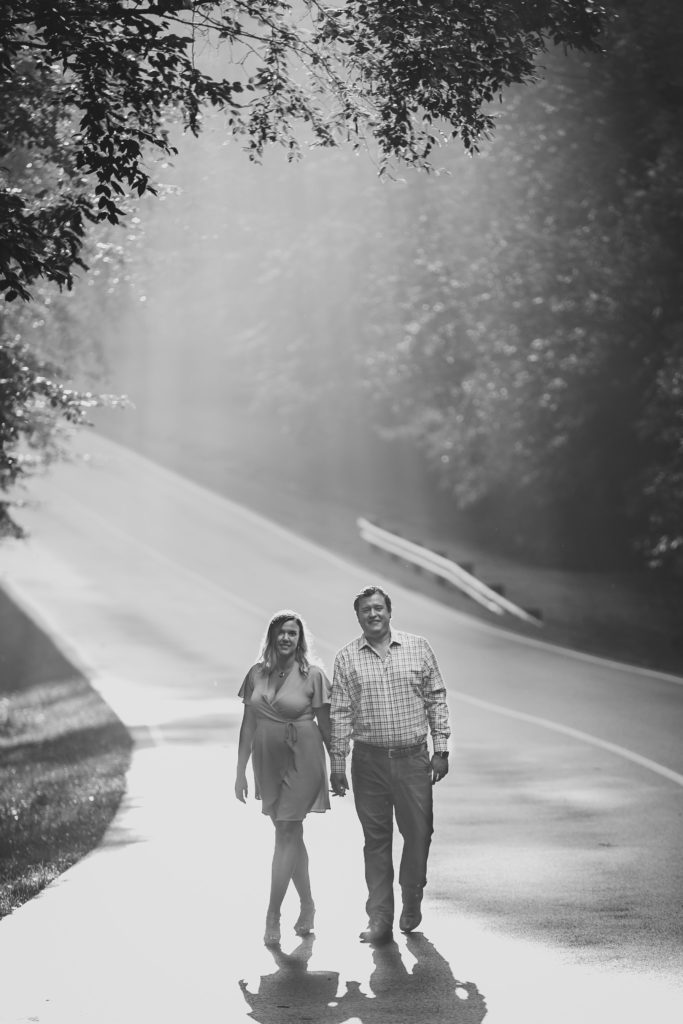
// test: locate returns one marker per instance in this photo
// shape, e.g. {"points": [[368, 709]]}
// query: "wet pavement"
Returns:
{"points": [[555, 876]]}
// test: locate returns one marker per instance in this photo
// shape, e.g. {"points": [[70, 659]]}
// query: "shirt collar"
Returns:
{"points": [[394, 639]]}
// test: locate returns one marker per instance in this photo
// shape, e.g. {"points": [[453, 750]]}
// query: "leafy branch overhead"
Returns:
{"points": [[88, 87], [33, 402]]}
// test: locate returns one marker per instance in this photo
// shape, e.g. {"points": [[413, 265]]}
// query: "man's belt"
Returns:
{"points": [[390, 751]]}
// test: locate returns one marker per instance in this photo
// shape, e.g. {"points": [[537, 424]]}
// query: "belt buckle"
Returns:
{"points": [[395, 751]]}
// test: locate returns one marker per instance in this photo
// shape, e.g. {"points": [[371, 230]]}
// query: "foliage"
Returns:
{"points": [[571, 412], [44, 345], [87, 86], [35, 402], [87, 89], [519, 319]]}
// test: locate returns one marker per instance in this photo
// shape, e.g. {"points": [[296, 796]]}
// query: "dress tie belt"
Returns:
{"points": [[291, 738]]}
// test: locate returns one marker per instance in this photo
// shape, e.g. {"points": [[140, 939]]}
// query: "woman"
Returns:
{"points": [[283, 697]]}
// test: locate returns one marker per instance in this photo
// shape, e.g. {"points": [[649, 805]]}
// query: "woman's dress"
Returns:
{"points": [[287, 750]]}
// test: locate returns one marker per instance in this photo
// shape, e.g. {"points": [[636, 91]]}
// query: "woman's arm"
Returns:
{"points": [[322, 715], [247, 730]]}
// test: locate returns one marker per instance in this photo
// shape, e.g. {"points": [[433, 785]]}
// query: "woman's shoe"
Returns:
{"points": [[272, 933], [304, 924]]}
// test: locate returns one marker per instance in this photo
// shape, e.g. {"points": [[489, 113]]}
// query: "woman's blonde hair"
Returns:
{"points": [[268, 656]]}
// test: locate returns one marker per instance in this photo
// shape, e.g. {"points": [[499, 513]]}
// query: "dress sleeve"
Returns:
{"points": [[322, 689], [247, 688]]}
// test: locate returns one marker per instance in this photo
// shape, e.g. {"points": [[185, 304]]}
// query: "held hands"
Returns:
{"points": [[439, 767], [241, 788], [339, 783]]}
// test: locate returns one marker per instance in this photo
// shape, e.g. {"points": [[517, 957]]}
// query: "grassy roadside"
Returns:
{"points": [[63, 760]]}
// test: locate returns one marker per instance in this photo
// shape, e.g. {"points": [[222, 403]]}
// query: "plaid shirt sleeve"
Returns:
{"points": [[435, 701], [341, 715]]}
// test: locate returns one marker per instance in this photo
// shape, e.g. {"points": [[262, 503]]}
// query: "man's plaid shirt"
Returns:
{"points": [[390, 703]]}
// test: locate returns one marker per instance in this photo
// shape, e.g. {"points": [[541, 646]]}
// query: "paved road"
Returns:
{"points": [[556, 876]]}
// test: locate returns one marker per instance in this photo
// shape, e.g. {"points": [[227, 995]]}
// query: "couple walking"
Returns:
{"points": [[387, 695]]}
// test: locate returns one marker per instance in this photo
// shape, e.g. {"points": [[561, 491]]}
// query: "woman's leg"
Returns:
{"points": [[302, 883], [300, 875], [288, 842], [287, 838]]}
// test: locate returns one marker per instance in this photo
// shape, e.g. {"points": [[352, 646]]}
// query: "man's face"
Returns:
{"points": [[374, 617]]}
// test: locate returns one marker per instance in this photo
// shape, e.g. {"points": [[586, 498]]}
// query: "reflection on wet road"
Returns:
{"points": [[395, 991]]}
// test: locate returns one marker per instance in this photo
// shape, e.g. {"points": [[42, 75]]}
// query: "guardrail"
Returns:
{"points": [[444, 568]]}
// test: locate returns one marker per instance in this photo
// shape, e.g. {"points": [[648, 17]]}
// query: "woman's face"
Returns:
{"points": [[287, 637]]}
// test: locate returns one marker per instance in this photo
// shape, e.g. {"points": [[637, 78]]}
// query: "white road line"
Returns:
{"points": [[149, 467], [545, 723], [584, 737], [159, 556], [317, 550], [591, 659]]}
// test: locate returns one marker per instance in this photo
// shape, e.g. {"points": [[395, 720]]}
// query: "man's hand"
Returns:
{"points": [[339, 783], [241, 788], [439, 767]]}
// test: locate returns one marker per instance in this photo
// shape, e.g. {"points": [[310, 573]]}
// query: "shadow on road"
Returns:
{"points": [[426, 995]]}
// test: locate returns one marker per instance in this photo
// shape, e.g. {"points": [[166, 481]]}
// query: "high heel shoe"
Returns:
{"points": [[272, 933], [304, 924]]}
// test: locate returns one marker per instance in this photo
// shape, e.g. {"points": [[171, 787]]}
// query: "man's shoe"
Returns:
{"points": [[378, 934], [412, 909]]}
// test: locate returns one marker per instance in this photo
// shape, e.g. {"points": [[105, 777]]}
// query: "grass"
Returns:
{"points": [[63, 761]]}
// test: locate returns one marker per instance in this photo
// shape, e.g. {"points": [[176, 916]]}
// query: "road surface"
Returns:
{"points": [[556, 876]]}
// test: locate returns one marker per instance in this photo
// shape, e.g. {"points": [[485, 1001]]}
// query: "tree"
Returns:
{"points": [[519, 320], [45, 343], [34, 403], [571, 411], [87, 86], [88, 89], [538, 361]]}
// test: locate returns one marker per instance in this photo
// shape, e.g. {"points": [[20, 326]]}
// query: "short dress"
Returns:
{"points": [[287, 750]]}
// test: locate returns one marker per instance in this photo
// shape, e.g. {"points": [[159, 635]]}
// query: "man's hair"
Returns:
{"points": [[368, 592]]}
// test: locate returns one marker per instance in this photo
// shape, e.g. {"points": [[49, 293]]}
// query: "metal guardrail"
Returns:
{"points": [[442, 567]]}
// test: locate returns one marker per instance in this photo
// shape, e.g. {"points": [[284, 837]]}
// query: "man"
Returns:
{"points": [[387, 694]]}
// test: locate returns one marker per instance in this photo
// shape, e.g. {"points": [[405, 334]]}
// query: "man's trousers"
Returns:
{"points": [[385, 785]]}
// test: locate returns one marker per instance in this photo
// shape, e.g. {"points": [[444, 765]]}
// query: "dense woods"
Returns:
{"points": [[515, 318], [89, 89], [519, 319]]}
